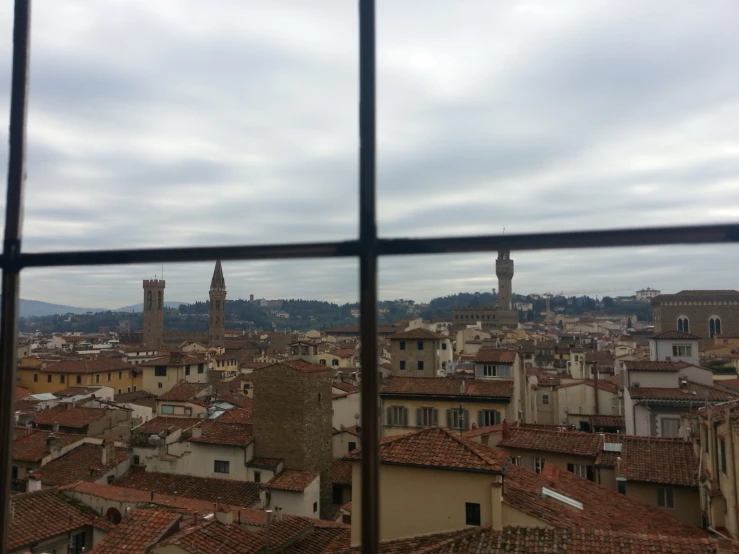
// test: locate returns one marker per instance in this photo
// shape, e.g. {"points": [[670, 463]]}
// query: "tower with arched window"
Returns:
{"points": [[217, 325], [153, 333]]}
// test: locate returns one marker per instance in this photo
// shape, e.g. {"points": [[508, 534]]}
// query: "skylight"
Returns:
{"points": [[612, 447], [562, 498]]}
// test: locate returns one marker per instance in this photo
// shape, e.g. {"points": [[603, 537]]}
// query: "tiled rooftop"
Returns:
{"points": [[341, 472], [298, 365], [138, 532], [564, 442], [162, 423], [215, 536], [184, 391], [437, 447], [445, 386], [31, 447], [685, 394], [75, 417], [87, 365], [603, 508], [236, 493], [42, 515], [225, 433], [647, 365], [654, 460], [81, 464], [416, 334], [237, 415], [496, 356], [538, 540], [292, 480]]}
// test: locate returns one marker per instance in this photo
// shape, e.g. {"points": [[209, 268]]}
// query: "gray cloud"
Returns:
{"points": [[173, 124]]}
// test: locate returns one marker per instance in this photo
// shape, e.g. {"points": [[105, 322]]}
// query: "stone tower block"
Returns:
{"points": [[153, 334]]}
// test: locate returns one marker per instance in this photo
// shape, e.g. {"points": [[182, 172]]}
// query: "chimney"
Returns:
{"points": [[197, 432], [506, 429], [224, 514], [618, 467], [107, 451], [34, 483], [55, 427], [53, 444], [175, 358], [267, 545]]}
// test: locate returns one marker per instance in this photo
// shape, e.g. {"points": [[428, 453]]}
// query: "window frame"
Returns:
{"points": [[666, 497], [472, 514], [227, 466], [367, 248]]}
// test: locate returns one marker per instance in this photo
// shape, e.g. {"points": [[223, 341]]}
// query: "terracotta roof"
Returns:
{"points": [[445, 386], [269, 463], [76, 391], [31, 447], [602, 384], [180, 359], [540, 540], [76, 417], [236, 415], [417, 334], [291, 480], [236, 493], [343, 352], [603, 508], [668, 461], [225, 433], [674, 335], [564, 442], [486, 430], [353, 430], [322, 539], [20, 392], [702, 392], [215, 536], [161, 423], [496, 355], [87, 365], [137, 532], [341, 472], [298, 365], [437, 447], [42, 515], [84, 463], [344, 386], [184, 391], [647, 365]]}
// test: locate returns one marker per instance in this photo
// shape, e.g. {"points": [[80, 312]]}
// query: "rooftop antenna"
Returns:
{"points": [[504, 229]]}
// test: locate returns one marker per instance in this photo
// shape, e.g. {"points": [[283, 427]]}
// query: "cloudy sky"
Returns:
{"points": [[181, 122]]}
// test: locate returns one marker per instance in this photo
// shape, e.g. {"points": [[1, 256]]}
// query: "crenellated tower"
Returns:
{"points": [[217, 307], [153, 334], [504, 271]]}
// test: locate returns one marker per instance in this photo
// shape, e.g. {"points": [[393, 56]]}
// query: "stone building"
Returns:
{"points": [[292, 411], [217, 307], [153, 333], [705, 313], [416, 353], [502, 314]]}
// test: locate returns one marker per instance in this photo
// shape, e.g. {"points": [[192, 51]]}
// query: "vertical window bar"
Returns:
{"points": [[370, 506], [11, 254]]}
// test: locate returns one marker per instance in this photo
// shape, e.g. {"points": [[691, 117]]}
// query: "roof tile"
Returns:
{"points": [[291, 480], [445, 386], [496, 355]]}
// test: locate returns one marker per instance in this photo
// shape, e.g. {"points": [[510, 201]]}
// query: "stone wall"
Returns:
{"points": [[412, 355], [698, 311], [292, 420]]}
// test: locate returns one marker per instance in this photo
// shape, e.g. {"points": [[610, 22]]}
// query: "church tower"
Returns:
{"points": [[153, 334], [504, 271], [217, 306]]}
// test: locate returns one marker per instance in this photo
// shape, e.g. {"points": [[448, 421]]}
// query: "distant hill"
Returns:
{"points": [[139, 307], [36, 308]]}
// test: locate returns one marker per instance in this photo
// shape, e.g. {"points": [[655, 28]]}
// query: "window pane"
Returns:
{"points": [[214, 112], [533, 116]]}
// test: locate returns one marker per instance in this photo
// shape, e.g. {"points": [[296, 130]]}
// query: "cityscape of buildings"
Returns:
{"points": [[601, 431]]}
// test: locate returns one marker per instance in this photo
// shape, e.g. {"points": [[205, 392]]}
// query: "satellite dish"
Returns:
{"points": [[356, 416]]}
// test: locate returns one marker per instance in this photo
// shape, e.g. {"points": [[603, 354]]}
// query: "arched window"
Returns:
{"points": [[714, 326], [148, 299], [161, 300], [682, 324], [218, 304], [218, 320]]}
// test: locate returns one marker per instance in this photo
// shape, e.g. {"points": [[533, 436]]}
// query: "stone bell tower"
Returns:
{"points": [[504, 271], [217, 327], [153, 334]]}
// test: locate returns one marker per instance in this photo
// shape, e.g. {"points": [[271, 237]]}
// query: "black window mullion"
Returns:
{"points": [[11, 251]]}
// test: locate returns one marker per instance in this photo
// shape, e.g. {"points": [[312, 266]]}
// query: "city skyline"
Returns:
{"points": [[238, 125]]}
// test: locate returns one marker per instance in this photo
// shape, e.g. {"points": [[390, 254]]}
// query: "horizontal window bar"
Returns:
{"points": [[699, 234]]}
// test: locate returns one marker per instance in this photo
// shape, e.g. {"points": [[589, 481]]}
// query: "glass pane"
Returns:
{"points": [[221, 123], [540, 117]]}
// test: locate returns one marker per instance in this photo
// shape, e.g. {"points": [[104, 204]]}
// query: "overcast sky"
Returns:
{"points": [[182, 122]]}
